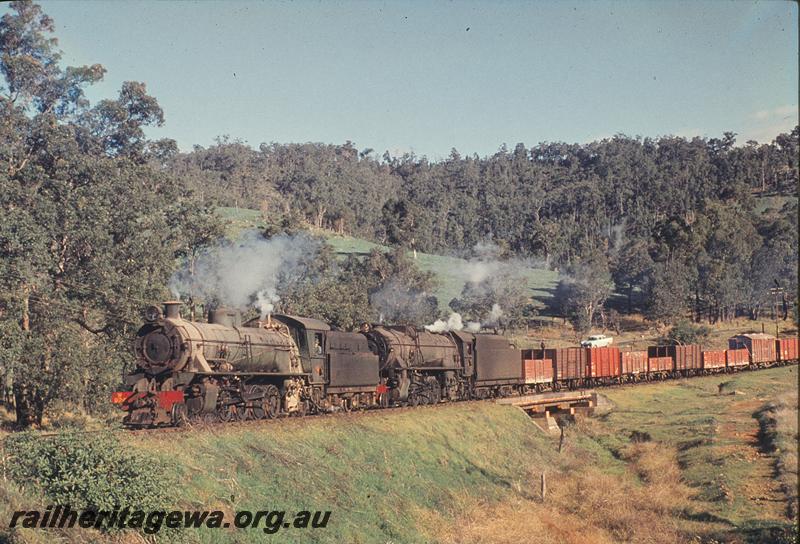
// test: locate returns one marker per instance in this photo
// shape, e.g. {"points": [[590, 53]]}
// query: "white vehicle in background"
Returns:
{"points": [[597, 341]]}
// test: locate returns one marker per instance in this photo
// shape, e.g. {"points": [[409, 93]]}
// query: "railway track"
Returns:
{"points": [[255, 423]]}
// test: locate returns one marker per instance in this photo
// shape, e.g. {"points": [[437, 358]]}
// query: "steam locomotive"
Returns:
{"points": [[289, 365]]}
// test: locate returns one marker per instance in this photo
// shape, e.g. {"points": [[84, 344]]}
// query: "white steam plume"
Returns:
{"points": [[494, 315], [453, 323], [245, 273]]}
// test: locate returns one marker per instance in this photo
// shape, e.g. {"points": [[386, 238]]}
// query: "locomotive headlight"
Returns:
{"points": [[157, 347], [152, 313]]}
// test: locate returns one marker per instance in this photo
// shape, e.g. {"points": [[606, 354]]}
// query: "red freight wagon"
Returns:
{"points": [[568, 363], [788, 349], [760, 346], [737, 357], [684, 358], [633, 362], [659, 360], [603, 362], [713, 360], [537, 371], [659, 364]]}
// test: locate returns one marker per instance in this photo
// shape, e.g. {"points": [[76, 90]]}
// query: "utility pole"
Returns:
{"points": [[778, 295]]}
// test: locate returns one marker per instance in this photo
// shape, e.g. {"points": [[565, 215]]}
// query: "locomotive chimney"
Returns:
{"points": [[225, 317], [172, 309], [220, 316], [216, 317]]}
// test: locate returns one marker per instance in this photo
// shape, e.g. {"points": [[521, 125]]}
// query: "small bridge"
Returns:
{"points": [[545, 407]]}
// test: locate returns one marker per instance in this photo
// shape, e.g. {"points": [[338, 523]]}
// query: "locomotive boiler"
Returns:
{"points": [[172, 344]]}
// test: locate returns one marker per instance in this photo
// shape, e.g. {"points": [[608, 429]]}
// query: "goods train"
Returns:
{"points": [[289, 365]]}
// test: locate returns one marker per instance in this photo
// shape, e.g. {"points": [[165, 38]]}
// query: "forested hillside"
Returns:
{"points": [[553, 200], [683, 223]]}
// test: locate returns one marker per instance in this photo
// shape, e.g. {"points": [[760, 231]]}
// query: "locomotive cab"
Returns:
{"points": [[340, 362], [310, 337]]}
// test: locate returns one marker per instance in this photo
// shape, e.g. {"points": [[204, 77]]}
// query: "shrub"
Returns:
{"points": [[685, 332], [88, 471]]}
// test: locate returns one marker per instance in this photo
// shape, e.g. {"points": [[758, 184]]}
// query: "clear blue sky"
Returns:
{"points": [[429, 75]]}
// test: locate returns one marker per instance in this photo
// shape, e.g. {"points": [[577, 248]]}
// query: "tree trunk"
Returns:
{"points": [[24, 406], [697, 310], [320, 215], [630, 296], [24, 401], [26, 319]]}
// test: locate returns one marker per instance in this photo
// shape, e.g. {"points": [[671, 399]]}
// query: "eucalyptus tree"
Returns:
{"points": [[91, 225]]}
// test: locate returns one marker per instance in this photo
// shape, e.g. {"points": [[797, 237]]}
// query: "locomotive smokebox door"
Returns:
{"points": [[158, 348]]}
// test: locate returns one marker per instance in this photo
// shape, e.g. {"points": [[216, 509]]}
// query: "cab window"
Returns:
{"points": [[316, 346]]}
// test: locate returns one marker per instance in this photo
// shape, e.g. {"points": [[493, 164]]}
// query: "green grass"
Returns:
{"points": [[238, 219], [451, 273], [773, 202], [345, 245], [376, 473]]}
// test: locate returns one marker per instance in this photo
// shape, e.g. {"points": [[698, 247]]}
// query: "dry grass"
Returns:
{"points": [[512, 521], [778, 421], [630, 511], [583, 505]]}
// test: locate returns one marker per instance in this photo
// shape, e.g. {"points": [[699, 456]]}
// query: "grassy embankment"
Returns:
{"points": [[470, 472], [779, 436]]}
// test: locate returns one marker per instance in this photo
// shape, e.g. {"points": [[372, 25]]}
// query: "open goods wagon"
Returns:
{"points": [[537, 371], [603, 364], [737, 357], [713, 360], [760, 347], [788, 349], [633, 363]]}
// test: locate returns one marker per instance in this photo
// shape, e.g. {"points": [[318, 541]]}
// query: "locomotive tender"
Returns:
{"points": [[290, 365]]}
